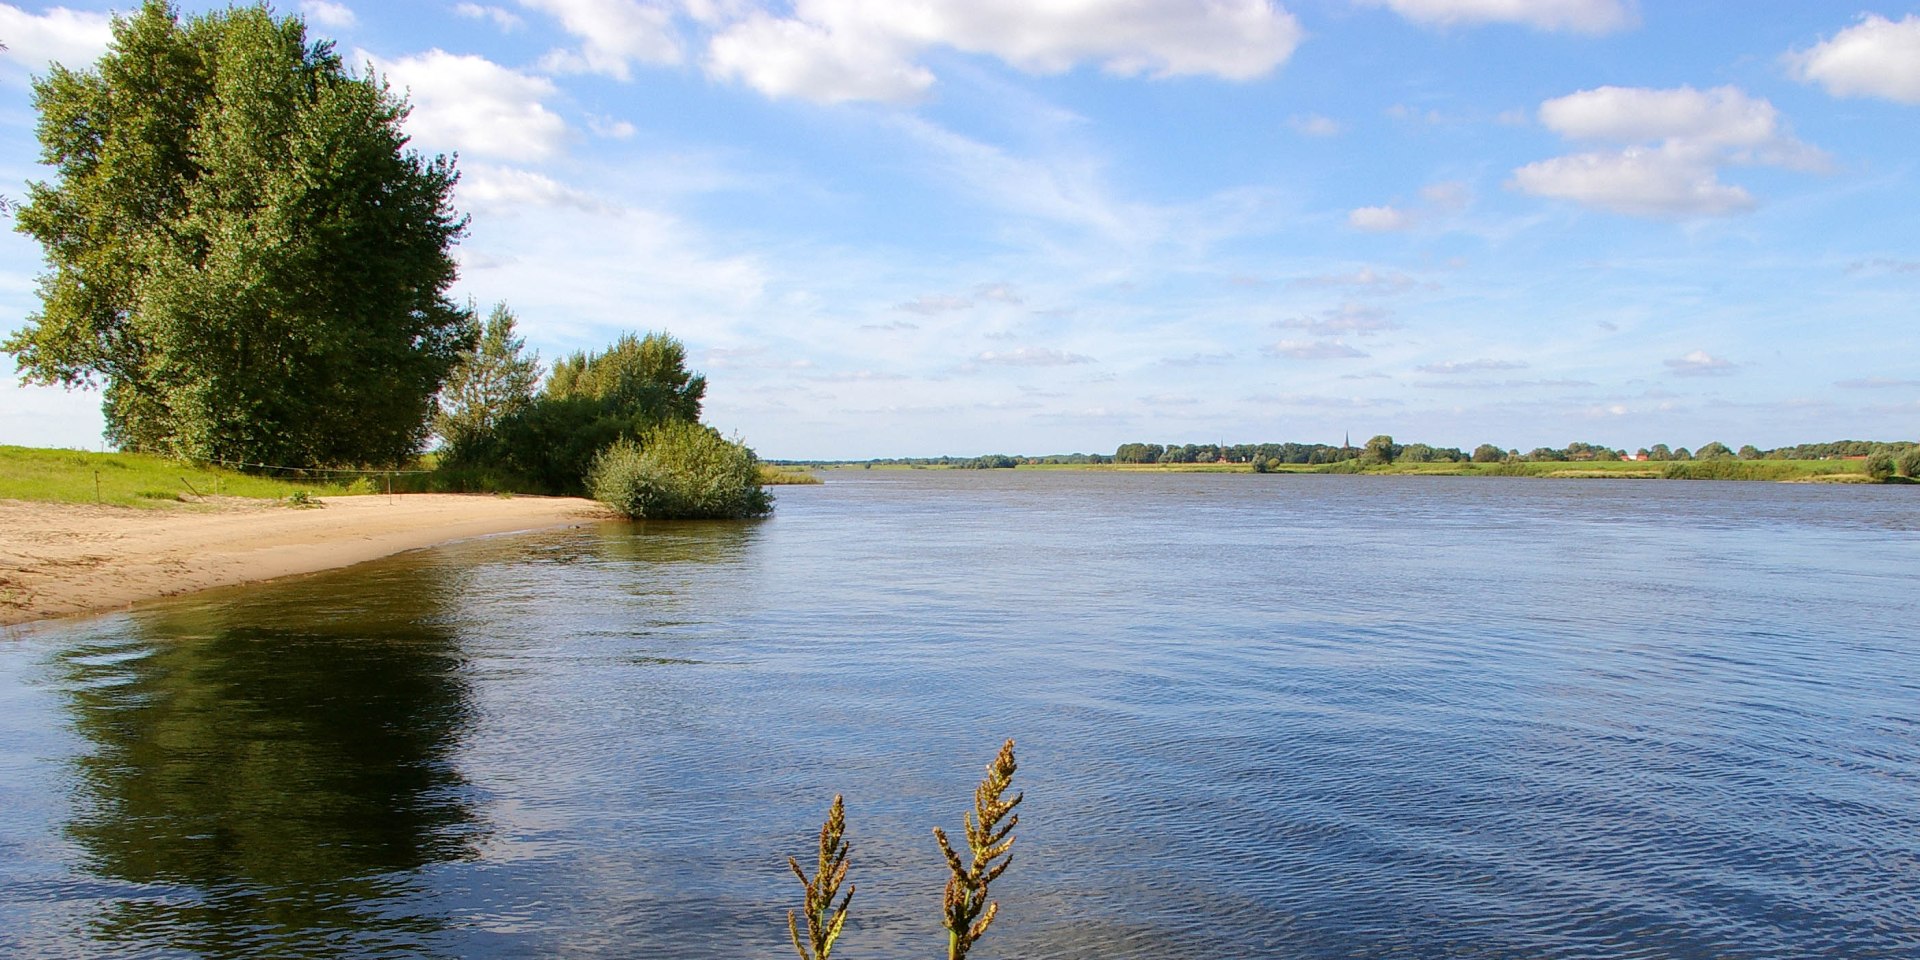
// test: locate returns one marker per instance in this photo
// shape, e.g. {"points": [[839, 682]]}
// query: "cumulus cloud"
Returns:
{"points": [[473, 105], [1379, 219], [334, 16], [613, 35], [62, 36], [1031, 357], [1671, 146], [838, 50], [1876, 57], [1577, 16], [505, 19], [1347, 318], [1313, 350], [1699, 363], [1471, 366]]}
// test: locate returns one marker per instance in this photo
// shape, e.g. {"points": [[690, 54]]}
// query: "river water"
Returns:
{"points": [[1257, 716]]}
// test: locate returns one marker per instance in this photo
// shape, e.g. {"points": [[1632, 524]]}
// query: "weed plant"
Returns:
{"points": [[967, 909]]}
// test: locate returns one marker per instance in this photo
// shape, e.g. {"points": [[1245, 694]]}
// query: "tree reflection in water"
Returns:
{"points": [[272, 770]]}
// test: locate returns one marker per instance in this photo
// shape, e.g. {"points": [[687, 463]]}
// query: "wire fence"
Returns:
{"points": [[330, 471]]}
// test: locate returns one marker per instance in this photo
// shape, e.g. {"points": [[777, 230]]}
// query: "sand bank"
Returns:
{"points": [[60, 559]]}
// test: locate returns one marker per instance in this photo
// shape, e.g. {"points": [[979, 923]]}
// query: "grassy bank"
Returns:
{"points": [[1775, 470], [133, 479], [772, 475]]}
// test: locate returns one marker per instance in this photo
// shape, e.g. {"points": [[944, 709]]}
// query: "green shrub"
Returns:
{"points": [[1910, 464], [1880, 467], [679, 471]]}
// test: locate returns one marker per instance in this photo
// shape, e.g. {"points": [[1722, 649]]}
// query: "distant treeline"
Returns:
{"points": [[1383, 449]]}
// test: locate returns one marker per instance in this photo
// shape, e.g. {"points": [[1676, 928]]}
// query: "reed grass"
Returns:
{"points": [[967, 907]]}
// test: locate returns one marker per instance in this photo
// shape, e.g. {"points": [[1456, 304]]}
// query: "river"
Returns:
{"points": [[1257, 716]]}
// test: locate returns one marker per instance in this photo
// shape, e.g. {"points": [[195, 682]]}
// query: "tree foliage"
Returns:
{"points": [[589, 402], [492, 381], [240, 247]]}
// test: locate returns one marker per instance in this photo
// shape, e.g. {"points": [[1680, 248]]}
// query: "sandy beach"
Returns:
{"points": [[60, 559]]}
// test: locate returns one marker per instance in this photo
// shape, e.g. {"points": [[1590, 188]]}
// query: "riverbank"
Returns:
{"points": [[1785, 471], [61, 559]]}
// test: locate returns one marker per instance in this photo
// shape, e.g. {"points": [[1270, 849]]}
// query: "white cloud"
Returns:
{"points": [[1721, 117], [1674, 144], [509, 189], [1448, 196], [1876, 57], [792, 58], [1379, 219], [613, 34], [505, 19], [1875, 383], [1365, 278], [1032, 357], [1579, 16], [610, 128], [471, 104], [1315, 125], [838, 50], [1313, 350], [333, 16], [1471, 366], [1636, 181], [1347, 318], [1699, 363], [928, 306], [62, 36]]}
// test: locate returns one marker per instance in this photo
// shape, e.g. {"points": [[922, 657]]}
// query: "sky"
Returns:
{"points": [[925, 227]]}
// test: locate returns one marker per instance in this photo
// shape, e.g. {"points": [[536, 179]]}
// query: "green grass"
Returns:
{"points": [[135, 479], [774, 476]]}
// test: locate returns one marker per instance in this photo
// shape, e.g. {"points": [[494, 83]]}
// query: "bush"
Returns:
{"points": [[1880, 466], [1910, 464], [679, 471]]}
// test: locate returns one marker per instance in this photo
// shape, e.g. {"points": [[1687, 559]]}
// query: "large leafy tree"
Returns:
{"points": [[242, 249]]}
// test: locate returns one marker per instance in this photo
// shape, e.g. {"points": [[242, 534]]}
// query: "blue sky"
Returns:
{"points": [[915, 227]]}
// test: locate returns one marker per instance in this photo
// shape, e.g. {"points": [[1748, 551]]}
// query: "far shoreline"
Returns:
{"points": [[62, 560]]}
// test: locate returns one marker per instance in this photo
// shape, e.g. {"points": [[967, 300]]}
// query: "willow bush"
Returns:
{"points": [[679, 471]]}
